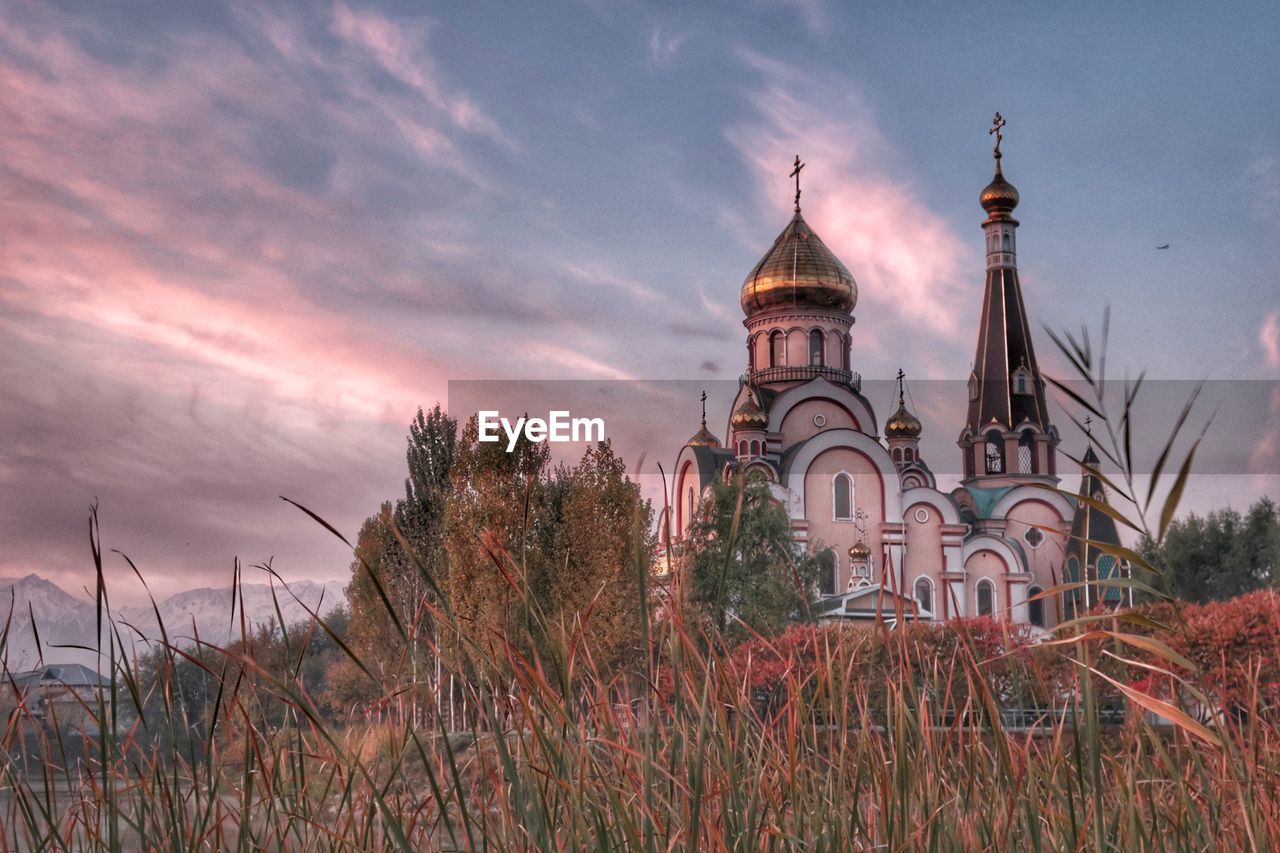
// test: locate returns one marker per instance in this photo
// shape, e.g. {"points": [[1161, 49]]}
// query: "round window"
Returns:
{"points": [[1033, 537], [819, 420], [922, 515]]}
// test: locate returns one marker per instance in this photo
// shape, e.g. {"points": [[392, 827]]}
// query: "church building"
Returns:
{"points": [[860, 486]]}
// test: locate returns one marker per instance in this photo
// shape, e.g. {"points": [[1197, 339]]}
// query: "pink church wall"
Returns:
{"points": [[819, 508], [985, 564], [798, 424], [1045, 561], [797, 347], [924, 546], [687, 480], [835, 348], [760, 350]]}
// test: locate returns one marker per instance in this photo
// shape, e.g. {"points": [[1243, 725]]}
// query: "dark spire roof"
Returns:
{"points": [[1004, 346], [1091, 525], [1004, 340]]}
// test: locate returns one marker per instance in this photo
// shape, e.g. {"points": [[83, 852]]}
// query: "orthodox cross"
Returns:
{"points": [[704, 409], [997, 124], [901, 392], [795, 173], [1088, 426]]}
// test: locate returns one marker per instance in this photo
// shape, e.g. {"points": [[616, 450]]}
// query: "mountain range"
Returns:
{"points": [[64, 621]]}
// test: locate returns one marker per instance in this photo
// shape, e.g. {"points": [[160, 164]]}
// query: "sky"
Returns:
{"points": [[240, 244]]}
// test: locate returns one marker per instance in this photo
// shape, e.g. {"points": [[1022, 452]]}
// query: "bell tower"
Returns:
{"points": [[1007, 436]]}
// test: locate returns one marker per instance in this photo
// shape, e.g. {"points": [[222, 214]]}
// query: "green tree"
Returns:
{"points": [[753, 576], [1220, 555]]}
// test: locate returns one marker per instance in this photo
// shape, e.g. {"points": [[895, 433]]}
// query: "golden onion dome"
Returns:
{"points": [[999, 196], [703, 438], [798, 271], [859, 551], [749, 416], [902, 424]]}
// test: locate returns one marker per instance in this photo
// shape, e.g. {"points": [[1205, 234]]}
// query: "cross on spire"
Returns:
{"points": [[1088, 427], [704, 409], [997, 124], [795, 173], [901, 386]]}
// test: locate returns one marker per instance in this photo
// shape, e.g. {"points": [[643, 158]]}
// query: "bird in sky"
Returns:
{"points": [[1165, 246]]}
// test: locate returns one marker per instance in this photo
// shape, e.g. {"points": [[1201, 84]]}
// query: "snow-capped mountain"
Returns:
{"points": [[207, 613], [62, 619]]}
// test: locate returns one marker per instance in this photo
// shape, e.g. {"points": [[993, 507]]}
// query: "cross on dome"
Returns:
{"points": [[795, 173]]}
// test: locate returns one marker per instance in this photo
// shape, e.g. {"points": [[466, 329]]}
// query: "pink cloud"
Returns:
{"points": [[914, 274], [1269, 338], [398, 50], [1265, 456]]}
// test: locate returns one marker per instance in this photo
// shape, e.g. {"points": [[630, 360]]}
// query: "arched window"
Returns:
{"points": [[690, 521], [742, 447], [815, 348], [909, 455], [755, 447], [897, 454], [1004, 242], [1035, 607], [827, 581], [842, 497], [777, 349], [924, 594], [846, 343], [1026, 453], [1107, 571], [995, 453], [986, 597]]}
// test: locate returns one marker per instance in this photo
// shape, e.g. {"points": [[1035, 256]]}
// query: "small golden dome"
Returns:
{"points": [[703, 438], [859, 551], [798, 271], [999, 196], [902, 424], [749, 416]]}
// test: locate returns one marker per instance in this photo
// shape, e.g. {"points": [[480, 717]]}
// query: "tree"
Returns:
{"points": [[433, 445], [406, 662], [380, 563], [752, 577], [603, 542], [499, 517], [1218, 556]]}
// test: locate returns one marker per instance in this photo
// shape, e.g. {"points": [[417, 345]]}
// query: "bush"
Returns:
{"points": [[1234, 645]]}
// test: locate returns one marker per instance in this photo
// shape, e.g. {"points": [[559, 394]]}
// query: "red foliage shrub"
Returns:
{"points": [[944, 662], [1235, 646]]}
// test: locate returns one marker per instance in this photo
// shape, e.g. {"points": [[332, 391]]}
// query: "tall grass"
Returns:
{"points": [[696, 761], [682, 755]]}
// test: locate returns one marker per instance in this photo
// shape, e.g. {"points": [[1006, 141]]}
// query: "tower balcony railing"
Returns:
{"points": [[803, 372]]}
